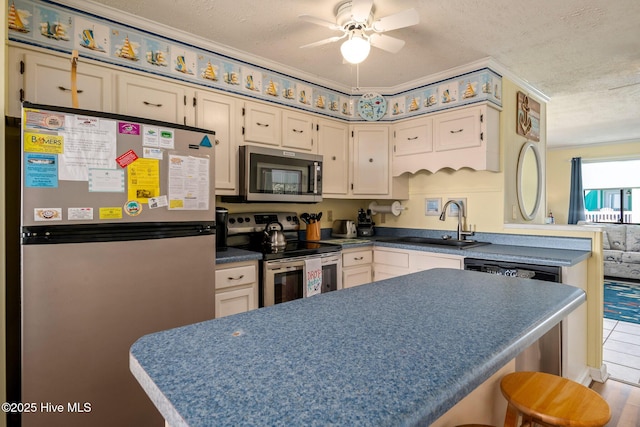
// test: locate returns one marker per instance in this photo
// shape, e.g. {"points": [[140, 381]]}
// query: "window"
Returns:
{"points": [[612, 191]]}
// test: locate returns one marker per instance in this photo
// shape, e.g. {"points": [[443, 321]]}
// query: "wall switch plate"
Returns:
{"points": [[329, 215]]}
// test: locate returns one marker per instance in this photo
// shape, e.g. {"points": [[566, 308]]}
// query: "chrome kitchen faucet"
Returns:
{"points": [[461, 214]]}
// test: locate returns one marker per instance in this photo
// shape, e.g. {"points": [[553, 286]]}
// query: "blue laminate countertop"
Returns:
{"points": [[400, 351], [236, 255]]}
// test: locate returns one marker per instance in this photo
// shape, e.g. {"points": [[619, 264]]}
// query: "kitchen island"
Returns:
{"points": [[401, 351]]}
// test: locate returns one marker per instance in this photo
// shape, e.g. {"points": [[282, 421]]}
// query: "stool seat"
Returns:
{"points": [[552, 400]]}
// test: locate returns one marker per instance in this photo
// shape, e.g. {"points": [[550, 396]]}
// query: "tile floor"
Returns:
{"points": [[622, 350]]}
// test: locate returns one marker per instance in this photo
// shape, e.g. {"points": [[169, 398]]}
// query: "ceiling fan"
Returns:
{"points": [[356, 21]]}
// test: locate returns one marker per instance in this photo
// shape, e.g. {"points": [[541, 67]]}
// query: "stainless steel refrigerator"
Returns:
{"points": [[117, 241]]}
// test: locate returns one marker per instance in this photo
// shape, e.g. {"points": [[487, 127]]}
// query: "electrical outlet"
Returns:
{"points": [[329, 215]]}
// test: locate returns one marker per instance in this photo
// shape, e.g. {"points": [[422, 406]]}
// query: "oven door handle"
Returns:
{"points": [[289, 268]]}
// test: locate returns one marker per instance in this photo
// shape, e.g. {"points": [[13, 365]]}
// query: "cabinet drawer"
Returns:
{"points": [[235, 276], [350, 259], [392, 258]]}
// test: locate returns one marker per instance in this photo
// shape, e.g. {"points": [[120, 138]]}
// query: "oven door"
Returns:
{"points": [[284, 279]]}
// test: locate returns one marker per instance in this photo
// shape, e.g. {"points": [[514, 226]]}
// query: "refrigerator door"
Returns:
{"points": [[118, 240], [83, 167], [85, 304]]}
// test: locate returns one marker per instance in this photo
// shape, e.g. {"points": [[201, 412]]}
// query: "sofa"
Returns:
{"points": [[621, 244]]}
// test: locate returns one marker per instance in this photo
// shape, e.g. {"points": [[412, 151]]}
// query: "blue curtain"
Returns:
{"points": [[576, 196]]}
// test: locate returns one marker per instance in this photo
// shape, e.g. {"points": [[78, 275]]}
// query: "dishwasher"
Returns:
{"points": [[545, 355]]}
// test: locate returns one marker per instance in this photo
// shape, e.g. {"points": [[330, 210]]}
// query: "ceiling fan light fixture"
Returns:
{"points": [[355, 49]]}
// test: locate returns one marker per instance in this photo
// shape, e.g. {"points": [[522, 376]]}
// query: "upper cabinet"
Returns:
{"points": [[465, 137], [371, 164], [370, 160], [333, 145], [218, 113], [152, 98], [262, 124], [412, 140], [47, 80], [298, 131]]}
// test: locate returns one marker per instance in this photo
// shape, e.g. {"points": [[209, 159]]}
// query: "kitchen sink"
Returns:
{"points": [[461, 244]]}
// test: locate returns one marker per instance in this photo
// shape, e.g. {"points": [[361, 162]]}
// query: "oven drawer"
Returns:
{"points": [[362, 257], [235, 276]]}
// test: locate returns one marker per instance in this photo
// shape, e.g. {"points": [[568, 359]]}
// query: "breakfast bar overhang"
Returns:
{"points": [[401, 351]]}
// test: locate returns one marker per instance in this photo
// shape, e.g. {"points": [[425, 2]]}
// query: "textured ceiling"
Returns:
{"points": [[582, 54]]}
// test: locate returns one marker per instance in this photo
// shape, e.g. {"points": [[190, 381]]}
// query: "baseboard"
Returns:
{"points": [[599, 375]]}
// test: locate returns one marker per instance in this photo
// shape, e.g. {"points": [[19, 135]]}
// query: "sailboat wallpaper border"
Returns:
{"points": [[50, 25]]}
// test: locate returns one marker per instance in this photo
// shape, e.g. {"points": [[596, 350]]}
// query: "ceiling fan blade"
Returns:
{"points": [[360, 10], [320, 21], [403, 19], [321, 42], [390, 44]]}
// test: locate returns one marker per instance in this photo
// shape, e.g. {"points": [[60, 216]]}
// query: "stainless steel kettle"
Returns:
{"points": [[273, 237]]}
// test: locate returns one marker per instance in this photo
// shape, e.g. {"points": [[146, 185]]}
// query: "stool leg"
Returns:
{"points": [[511, 417]]}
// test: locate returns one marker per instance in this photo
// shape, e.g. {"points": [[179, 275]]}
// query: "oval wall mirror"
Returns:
{"points": [[529, 180]]}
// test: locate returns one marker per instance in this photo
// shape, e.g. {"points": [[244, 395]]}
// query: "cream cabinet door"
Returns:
{"points": [[333, 145], [234, 302], [412, 141], [371, 160], [151, 98], [262, 124], [390, 262], [218, 113], [47, 80], [298, 131], [356, 276]]}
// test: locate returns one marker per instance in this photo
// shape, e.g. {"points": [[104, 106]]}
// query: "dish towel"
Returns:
{"points": [[313, 277]]}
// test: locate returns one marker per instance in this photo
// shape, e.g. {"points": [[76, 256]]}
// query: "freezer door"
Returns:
{"points": [[83, 167], [84, 305]]}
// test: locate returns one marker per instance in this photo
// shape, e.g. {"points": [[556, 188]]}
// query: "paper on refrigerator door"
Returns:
{"points": [[313, 279]]}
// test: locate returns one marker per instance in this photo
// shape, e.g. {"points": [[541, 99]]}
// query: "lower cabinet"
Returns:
{"points": [[236, 288], [393, 262], [357, 266]]}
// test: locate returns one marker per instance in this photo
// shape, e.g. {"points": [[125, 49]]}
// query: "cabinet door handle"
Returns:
{"points": [[411, 139], [266, 125], [370, 160], [456, 131], [217, 142], [297, 131], [359, 258], [151, 104], [236, 278], [333, 157], [64, 89]]}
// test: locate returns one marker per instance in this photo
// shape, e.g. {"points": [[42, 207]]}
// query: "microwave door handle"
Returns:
{"points": [[315, 177]]}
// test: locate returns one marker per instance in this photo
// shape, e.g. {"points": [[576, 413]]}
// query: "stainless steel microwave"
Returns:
{"points": [[277, 175]]}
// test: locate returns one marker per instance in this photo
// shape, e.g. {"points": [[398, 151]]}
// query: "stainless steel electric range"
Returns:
{"points": [[285, 269]]}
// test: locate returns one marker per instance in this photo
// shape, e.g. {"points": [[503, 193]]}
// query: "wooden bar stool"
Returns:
{"points": [[550, 400]]}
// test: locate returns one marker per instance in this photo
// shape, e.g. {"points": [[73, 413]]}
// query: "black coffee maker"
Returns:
{"points": [[222, 231]]}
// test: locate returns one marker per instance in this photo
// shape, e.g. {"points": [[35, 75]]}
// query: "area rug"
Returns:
{"points": [[622, 301]]}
